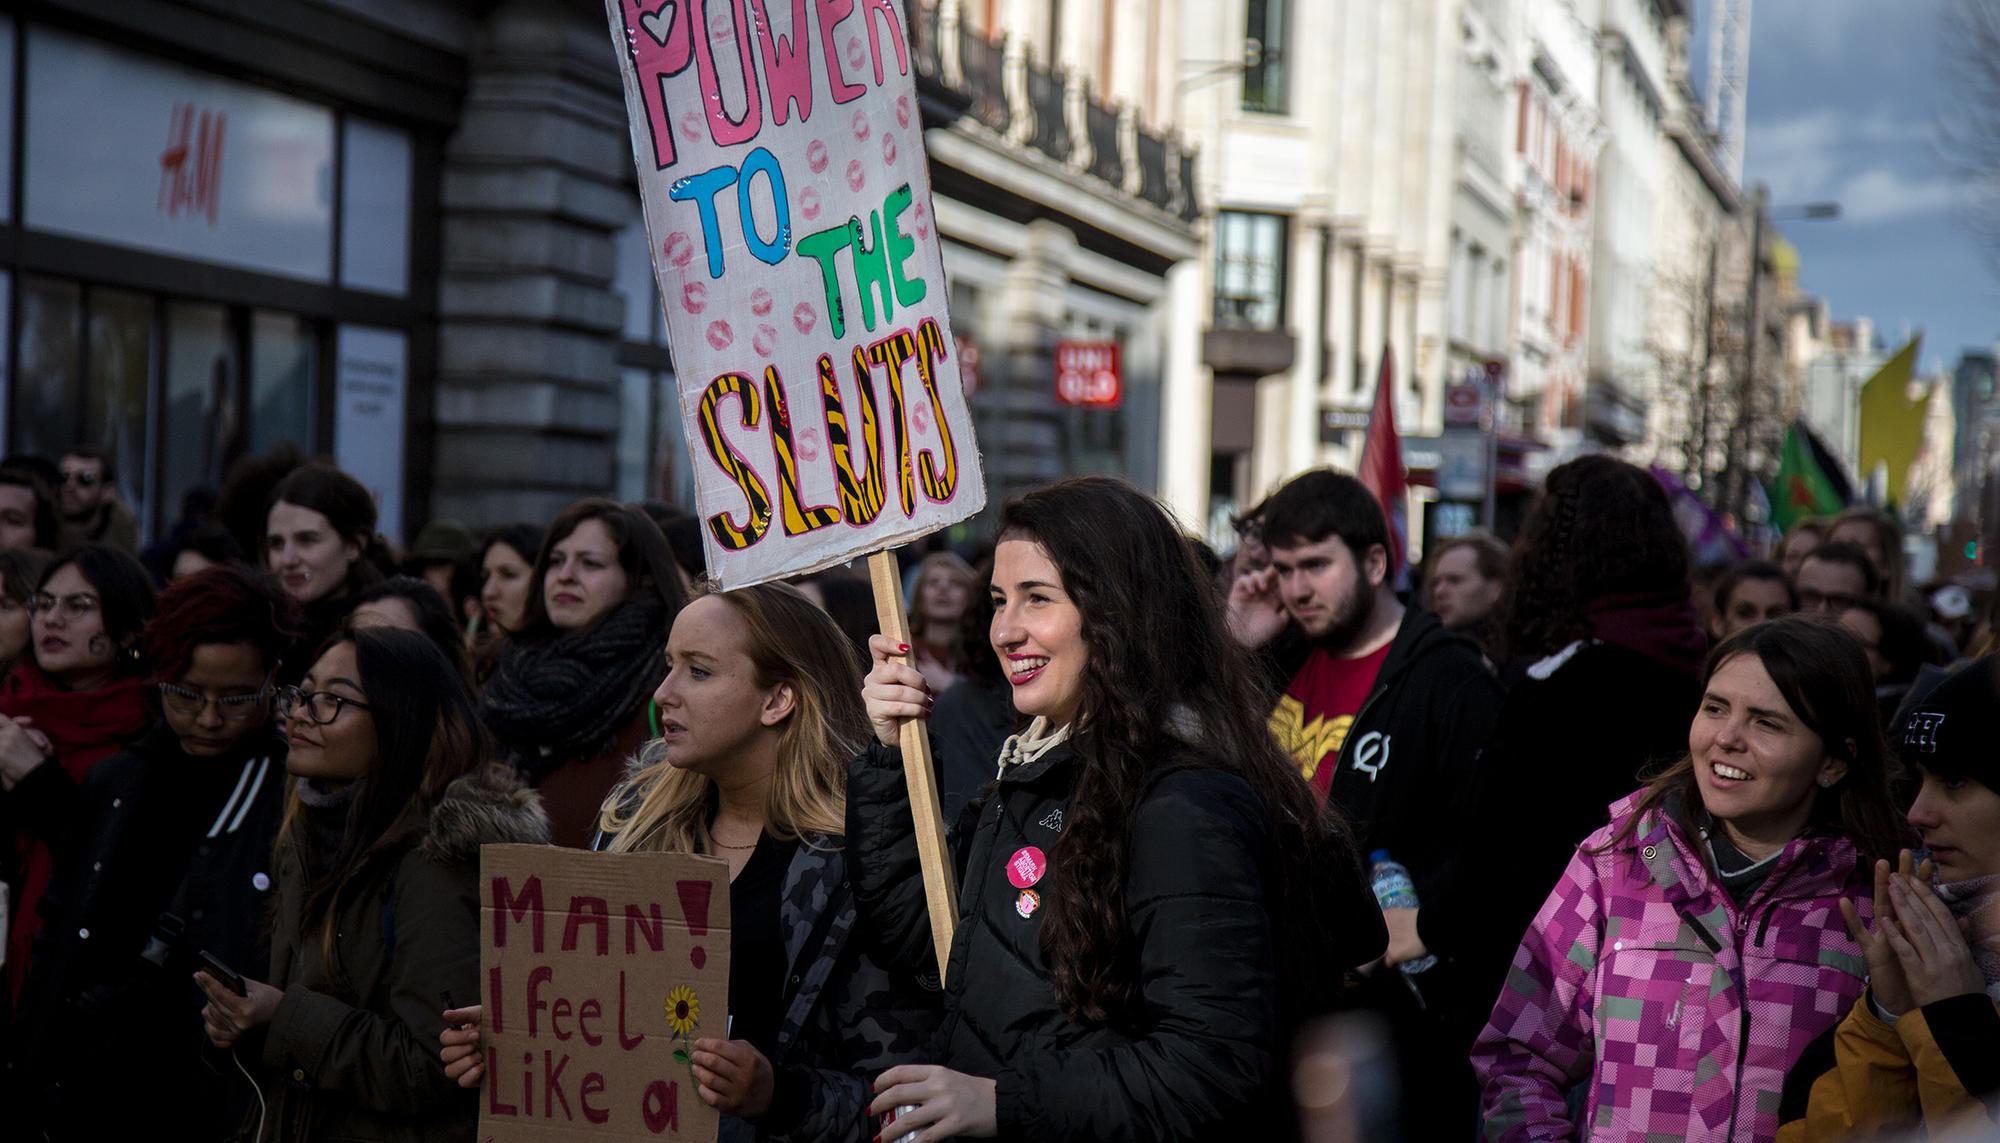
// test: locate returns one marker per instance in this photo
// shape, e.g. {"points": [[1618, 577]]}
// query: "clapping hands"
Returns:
{"points": [[1918, 953]]}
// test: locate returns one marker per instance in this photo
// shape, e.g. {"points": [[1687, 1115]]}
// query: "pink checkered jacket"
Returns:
{"points": [[1683, 1012]]}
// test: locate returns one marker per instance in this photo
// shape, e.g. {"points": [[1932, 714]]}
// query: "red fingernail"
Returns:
{"points": [[902, 647]]}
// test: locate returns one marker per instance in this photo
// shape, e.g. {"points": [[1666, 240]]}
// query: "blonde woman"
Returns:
{"points": [[939, 594], [760, 710]]}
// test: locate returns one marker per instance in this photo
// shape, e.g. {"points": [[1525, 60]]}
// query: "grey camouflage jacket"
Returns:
{"points": [[847, 1019]]}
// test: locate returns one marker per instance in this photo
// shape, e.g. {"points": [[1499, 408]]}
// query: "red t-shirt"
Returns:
{"points": [[1312, 717]]}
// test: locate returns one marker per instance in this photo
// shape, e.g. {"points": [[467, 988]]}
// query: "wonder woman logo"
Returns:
{"points": [[1308, 742]]}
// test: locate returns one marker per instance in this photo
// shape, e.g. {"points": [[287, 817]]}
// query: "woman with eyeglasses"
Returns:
{"points": [[76, 702], [165, 853], [376, 924]]}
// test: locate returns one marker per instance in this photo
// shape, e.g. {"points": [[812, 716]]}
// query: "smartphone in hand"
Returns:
{"points": [[224, 975]]}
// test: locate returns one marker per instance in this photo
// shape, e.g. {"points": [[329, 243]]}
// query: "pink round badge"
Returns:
{"points": [[1026, 867]]}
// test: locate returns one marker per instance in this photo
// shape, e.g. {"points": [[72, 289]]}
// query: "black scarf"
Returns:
{"points": [[563, 698]]}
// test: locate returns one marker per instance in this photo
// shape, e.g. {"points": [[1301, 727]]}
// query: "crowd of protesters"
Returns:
{"points": [[1603, 845]]}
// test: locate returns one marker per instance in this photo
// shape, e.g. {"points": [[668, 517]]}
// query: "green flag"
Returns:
{"points": [[1801, 487]]}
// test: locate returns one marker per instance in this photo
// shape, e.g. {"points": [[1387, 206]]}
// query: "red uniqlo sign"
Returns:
{"points": [[1087, 374]]}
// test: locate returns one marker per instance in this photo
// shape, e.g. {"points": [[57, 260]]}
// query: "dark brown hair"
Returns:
{"points": [[427, 733], [642, 552], [1166, 685], [1824, 678], [1602, 528], [346, 504]]}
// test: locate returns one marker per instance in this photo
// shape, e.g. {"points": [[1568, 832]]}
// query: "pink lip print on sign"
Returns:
{"points": [[720, 335], [764, 341], [889, 149], [816, 156], [860, 126], [809, 203], [1026, 867], [694, 297], [760, 301], [856, 177], [679, 249]]}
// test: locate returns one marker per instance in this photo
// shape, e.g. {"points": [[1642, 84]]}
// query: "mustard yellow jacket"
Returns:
{"points": [[1930, 1068]]}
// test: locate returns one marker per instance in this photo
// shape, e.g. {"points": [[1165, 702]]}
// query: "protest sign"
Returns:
{"points": [[599, 971], [788, 211]]}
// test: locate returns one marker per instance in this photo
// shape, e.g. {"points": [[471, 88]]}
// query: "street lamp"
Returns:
{"points": [[1740, 492]]}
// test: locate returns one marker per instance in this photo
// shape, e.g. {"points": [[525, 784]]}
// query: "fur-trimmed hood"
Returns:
{"points": [[491, 805]]}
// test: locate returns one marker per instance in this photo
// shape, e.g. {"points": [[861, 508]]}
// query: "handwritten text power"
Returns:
{"points": [[664, 38]]}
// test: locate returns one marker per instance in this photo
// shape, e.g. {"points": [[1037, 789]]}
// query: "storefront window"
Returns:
{"points": [[633, 459], [46, 401], [189, 164], [6, 121], [200, 435], [282, 357], [375, 209], [121, 373], [635, 281]]}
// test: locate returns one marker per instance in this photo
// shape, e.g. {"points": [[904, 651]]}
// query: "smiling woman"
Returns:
{"points": [[1155, 897], [1728, 873], [77, 702]]}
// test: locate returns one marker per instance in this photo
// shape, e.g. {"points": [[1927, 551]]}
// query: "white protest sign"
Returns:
{"points": [[788, 209]]}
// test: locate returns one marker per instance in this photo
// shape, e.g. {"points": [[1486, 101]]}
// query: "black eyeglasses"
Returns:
{"points": [[79, 476], [321, 707]]}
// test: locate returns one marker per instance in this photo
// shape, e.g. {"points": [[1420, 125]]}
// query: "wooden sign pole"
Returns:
{"points": [[940, 886]]}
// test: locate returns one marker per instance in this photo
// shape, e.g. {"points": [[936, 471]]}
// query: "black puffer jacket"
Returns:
{"points": [[1201, 1056]]}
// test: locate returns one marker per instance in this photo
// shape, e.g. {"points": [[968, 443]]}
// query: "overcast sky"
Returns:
{"points": [[1845, 98]]}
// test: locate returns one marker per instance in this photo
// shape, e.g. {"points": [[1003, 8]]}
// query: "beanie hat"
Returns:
{"points": [[1954, 732]]}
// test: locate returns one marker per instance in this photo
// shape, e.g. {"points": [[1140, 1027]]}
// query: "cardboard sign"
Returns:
{"points": [[600, 970], [788, 209]]}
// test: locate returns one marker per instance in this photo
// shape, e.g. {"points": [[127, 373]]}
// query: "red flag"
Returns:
{"points": [[1382, 468]]}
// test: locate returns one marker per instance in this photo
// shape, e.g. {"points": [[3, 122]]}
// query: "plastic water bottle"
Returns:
{"points": [[1395, 890]]}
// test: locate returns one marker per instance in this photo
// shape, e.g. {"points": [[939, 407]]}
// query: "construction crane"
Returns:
{"points": [[1729, 80]]}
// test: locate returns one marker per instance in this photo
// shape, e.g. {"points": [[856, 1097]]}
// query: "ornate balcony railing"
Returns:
{"points": [[1050, 111]]}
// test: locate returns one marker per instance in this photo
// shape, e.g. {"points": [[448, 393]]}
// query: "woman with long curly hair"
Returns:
{"points": [[1599, 627], [759, 712], [1152, 896]]}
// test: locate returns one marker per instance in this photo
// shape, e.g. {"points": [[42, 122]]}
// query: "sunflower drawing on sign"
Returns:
{"points": [[684, 1016]]}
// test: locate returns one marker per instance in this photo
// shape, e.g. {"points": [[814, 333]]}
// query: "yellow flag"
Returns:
{"points": [[1892, 425]]}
